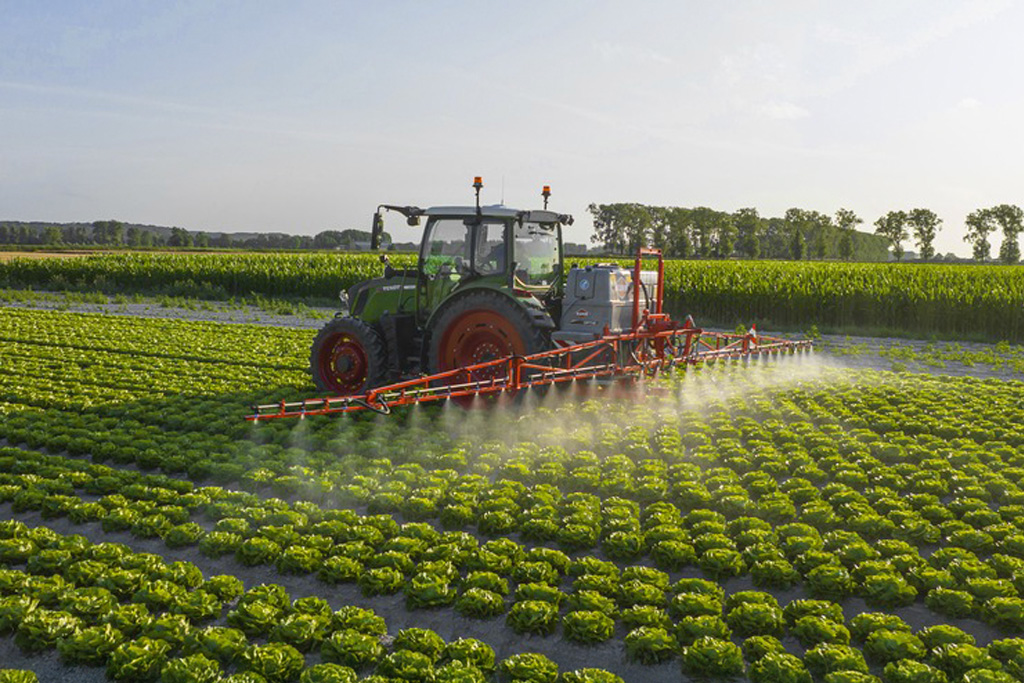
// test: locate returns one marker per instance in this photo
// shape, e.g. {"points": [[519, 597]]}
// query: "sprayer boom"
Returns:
{"points": [[655, 347]]}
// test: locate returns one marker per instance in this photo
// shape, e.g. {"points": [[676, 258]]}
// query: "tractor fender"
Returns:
{"points": [[539, 317]]}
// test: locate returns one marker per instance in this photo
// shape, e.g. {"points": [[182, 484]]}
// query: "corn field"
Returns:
{"points": [[931, 298], [957, 300]]}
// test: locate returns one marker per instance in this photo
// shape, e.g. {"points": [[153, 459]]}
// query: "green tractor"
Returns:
{"points": [[488, 284]]}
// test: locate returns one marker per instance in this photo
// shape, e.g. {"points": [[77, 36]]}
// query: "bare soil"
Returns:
{"points": [[8, 255], [69, 253]]}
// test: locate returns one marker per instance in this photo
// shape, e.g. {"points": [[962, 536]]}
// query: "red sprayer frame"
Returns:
{"points": [[655, 344]]}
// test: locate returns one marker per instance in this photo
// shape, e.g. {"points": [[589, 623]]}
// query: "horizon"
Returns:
{"points": [[251, 117]]}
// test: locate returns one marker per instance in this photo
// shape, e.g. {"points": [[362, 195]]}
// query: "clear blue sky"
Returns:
{"points": [[302, 116]]}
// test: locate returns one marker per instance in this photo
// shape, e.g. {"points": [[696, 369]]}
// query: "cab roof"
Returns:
{"points": [[493, 211]]}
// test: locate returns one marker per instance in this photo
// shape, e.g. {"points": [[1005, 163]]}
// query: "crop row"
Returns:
{"points": [[966, 577], [776, 480], [953, 299], [70, 596], [154, 340], [103, 604]]}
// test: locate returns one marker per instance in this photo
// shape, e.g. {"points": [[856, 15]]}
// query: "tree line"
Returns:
{"points": [[799, 234], [681, 232], [113, 233], [702, 232], [922, 225]]}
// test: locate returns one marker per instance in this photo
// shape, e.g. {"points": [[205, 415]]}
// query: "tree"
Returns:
{"points": [[1011, 219], [52, 235], [775, 239], [202, 240], [99, 232], [134, 237], [328, 239], [108, 232], [636, 224], [115, 230], [607, 230], [846, 221], [979, 225], [704, 225], [924, 224], [180, 237], [818, 231], [797, 245], [724, 241], [748, 232], [798, 223], [822, 238], [659, 228], [846, 245], [893, 227], [678, 224]]}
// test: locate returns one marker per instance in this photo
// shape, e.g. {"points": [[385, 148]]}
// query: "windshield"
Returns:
{"points": [[457, 245], [536, 253]]}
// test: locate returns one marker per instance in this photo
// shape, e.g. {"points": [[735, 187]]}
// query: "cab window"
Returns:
{"points": [[537, 255], [447, 250], [490, 248]]}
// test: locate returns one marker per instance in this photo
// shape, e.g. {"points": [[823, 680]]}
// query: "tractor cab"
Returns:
{"points": [[488, 283], [517, 252]]}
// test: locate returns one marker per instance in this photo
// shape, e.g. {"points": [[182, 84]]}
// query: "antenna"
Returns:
{"points": [[503, 189]]}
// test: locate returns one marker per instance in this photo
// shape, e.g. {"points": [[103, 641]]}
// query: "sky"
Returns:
{"points": [[302, 116]]}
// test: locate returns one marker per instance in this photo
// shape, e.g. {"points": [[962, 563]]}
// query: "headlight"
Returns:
{"points": [[343, 295]]}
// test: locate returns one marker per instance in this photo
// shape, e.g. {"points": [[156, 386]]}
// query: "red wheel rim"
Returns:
{"points": [[477, 337], [343, 364]]}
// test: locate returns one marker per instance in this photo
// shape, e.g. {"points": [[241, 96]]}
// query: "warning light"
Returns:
{"points": [[478, 183], [546, 192]]}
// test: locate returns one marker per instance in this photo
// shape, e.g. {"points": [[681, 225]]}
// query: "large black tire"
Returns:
{"points": [[480, 326], [348, 357]]}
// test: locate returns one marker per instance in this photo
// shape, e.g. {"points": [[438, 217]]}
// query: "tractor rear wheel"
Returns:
{"points": [[480, 327], [348, 357]]}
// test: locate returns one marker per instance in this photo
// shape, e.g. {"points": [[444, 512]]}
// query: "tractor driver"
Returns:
{"points": [[490, 240]]}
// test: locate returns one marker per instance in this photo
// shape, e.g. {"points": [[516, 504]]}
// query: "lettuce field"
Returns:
{"points": [[953, 300], [779, 523]]}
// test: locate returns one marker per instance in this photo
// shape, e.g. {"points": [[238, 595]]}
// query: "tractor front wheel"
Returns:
{"points": [[348, 357]]}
